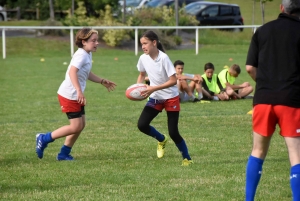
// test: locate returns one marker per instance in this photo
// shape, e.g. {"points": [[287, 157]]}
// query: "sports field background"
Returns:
{"points": [[114, 161]]}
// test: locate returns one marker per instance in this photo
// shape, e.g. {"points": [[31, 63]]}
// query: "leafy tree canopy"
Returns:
{"points": [[91, 5]]}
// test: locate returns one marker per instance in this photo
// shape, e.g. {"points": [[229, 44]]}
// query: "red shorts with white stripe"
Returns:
{"points": [[266, 117]]}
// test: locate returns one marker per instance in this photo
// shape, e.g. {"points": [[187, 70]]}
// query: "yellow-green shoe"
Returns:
{"points": [[186, 162], [161, 147]]}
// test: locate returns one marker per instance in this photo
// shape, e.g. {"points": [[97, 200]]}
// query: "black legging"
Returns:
{"points": [[149, 113]]}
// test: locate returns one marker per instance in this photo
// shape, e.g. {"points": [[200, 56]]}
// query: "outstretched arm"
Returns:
{"points": [[108, 84]]}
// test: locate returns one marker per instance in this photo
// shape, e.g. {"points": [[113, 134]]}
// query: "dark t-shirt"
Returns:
{"points": [[275, 52]]}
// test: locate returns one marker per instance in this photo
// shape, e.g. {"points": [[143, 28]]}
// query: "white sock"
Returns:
{"points": [[215, 98], [192, 97], [200, 96]]}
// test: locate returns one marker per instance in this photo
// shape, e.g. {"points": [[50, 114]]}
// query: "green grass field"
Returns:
{"points": [[114, 161]]}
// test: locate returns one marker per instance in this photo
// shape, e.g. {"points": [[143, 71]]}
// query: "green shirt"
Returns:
{"points": [[225, 77], [212, 85]]}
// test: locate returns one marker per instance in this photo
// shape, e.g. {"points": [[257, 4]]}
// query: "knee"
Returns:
{"points": [[173, 131], [229, 91], [175, 136], [258, 153], [143, 127], [81, 129], [192, 84], [184, 84], [250, 89], [77, 128]]}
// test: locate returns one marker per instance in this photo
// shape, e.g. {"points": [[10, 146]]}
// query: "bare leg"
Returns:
{"points": [[293, 146], [197, 87], [246, 90], [71, 139], [71, 133], [260, 146], [75, 127], [192, 85], [232, 93], [186, 88]]}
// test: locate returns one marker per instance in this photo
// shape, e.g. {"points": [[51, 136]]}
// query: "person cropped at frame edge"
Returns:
{"points": [[273, 62]]}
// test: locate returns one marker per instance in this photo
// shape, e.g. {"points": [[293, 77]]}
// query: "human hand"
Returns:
{"points": [[223, 96], [179, 77], [197, 79], [80, 98], [108, 84], [146, 93]]}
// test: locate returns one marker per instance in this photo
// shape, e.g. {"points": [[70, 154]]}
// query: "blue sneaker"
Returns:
{"points": [[40, 145], [64, 157]]}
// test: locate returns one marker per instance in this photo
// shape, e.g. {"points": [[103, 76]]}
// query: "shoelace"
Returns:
{"points": [[161, 145]]}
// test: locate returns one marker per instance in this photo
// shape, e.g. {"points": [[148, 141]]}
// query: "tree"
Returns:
{"points": [[92, 6], [262, 7], [51, 9]]}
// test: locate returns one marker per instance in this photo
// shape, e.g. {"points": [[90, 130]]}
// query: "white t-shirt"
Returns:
{"points": [[83, 61], [158, 71]]}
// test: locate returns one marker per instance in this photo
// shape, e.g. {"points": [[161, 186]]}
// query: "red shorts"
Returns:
{"points": [[68, 105], [265, 117], [171, 104]]}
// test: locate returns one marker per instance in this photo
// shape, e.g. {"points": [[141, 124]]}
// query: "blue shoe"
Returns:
{"points": [[64, 157], [40, 145]]}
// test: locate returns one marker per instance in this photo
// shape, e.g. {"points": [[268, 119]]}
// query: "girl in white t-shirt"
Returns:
{"points": [[162, 92], [71, 97]]}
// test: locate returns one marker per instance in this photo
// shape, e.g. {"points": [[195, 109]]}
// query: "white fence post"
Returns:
{"points": [[136, 41], [197, 40], [72, 41], [3, 44]]}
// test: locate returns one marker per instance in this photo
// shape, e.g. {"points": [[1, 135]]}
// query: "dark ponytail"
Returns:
{"points": [[153, 36], [160, 47]]}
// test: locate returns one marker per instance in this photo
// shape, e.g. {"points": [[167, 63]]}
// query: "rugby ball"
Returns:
{"points": [[134, 91]]}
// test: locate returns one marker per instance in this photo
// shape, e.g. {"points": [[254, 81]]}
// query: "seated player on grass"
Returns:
{"points": [[212, 88], [227, 78], [187, 84]]}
